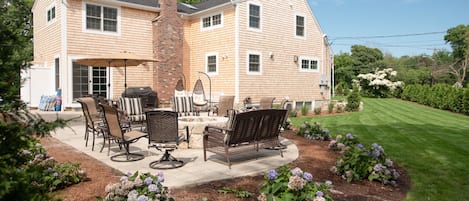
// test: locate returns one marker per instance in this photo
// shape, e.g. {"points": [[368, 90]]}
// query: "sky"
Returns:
{"points": [[398, 27]]}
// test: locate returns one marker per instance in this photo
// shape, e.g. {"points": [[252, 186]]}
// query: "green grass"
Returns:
{"points": [[432, 145]]}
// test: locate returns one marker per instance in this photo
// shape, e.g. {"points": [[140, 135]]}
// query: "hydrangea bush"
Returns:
{"points": [[138, 187], [293, 184], [314, 131], [379, 83], [45, 172], [360, 162], [341, 144]]}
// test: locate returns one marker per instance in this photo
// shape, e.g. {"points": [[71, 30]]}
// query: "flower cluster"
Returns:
{"points": [[342, 144], [314, 131], [292, 184], [360, 162], [138, 187], [45, 172], [378, 84]]}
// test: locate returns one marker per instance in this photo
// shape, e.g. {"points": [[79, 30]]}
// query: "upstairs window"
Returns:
{"points": [[101, 18], [51, 13], [211, 22], [308, 64], [300, 26], [254, 16]]}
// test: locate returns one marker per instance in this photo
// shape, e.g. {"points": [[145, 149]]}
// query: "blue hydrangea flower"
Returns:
{"points": [[319, 194], [328, 183], [308, 176], [56, 174], [148, 180], [389, 162], [142, 198], [378, 167], [153, 188], [272, 174], [375, 154], [124, 178], [297, 171], [160, 179], [360, 146], [349, 136]]}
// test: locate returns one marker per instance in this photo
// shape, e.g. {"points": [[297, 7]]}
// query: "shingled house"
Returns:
{"points": [[249, 48]]}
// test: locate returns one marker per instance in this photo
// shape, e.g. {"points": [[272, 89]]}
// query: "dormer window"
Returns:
{"points": [[212, 21]]}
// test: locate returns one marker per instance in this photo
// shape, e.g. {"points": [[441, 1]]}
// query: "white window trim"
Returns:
{"points": [[211, 27], [247, 63], [217, 63], [260, 15], [294, 25], [300, 61], [47, 10], [118, 32]]}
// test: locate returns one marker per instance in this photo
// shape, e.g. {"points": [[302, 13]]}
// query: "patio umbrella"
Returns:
{"points": [[121, 59]]}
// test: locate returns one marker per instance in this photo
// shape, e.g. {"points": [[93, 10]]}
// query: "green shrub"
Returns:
{"points": [[466, 101], [360, 162], [317, 111], [304, 110], [138, 187], [339, 108], [441, 96], [341, 144], [330, 107], [314, 131], [293, 184], [293, 113], [353, 100]]}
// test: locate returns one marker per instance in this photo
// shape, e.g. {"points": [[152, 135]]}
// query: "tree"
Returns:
{"points": [[343, 70], [366, 59], [17, 125], [458, 38]]}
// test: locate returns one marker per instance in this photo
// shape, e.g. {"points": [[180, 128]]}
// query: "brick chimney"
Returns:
{"points": [[168, 49]]}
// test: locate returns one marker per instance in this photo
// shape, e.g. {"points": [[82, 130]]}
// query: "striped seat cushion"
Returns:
{"points": [[183, 105], [132, 108]]}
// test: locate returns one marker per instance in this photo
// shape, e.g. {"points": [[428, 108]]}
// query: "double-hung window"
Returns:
{"points": [[300, 26], [211, 61], [101, 18], [309, 64], [254, 63], [51, 13], [212, 21], [254, 16]]}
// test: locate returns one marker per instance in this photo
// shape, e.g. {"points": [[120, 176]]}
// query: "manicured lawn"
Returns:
{"points": [[432, 145]]}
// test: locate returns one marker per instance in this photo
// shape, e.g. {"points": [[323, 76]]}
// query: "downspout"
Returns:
{"points": [[236, 57], [64, 68]]}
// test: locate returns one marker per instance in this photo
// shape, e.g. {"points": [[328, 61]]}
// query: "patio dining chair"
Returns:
{"points": [[121, 135], [163, 135], [266, 102], [93, 120], [224, 105], [133, 111]]}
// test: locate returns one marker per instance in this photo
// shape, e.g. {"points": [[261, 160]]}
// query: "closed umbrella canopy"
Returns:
{"points": [[121, 59]]}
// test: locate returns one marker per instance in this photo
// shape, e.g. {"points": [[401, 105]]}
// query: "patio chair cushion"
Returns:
{"points": [[229, 124], [183, 104], [133, 108], [199, 99]]}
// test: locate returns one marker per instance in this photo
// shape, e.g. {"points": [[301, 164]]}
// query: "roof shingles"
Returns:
{"points": [[203, 5]]}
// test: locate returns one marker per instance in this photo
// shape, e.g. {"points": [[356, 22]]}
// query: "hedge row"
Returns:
{"points": [[441, 96]]}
